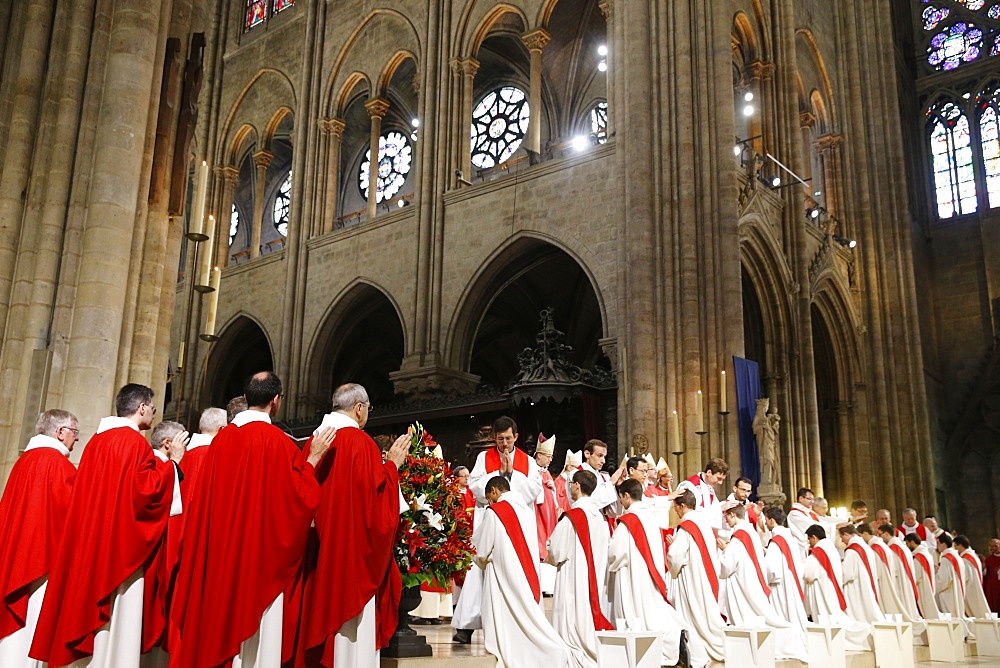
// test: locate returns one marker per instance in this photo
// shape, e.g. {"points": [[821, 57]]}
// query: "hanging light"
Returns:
{"points": [[748, 110], [415, 122], [776, 181], [602, 66], [748, 97], [580, 143], [737, 150], [602, 50]]}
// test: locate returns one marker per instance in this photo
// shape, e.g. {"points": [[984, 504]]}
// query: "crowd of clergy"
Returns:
{"points": [[237, 546], [626, 549]]}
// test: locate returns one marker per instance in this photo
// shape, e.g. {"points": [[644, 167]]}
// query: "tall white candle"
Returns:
{"points": [[699, 410], [205, 274], [197, 221], [213, 302], [678, 444], [180, 355], [723, 398]]}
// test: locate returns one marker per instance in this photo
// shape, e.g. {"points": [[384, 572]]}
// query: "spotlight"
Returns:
{"points": [[737, 150], [814, 213], [844, 241], [580, 143], [817, 193], [602, 66], [401, 203], [415, 122], [413, 136], [602, 50], [748, 110], [776, 181], [748, 97]]}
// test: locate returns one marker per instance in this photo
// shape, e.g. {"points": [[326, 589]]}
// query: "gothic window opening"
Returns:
{"points": [[280, 5], [257, 13], [234, 224], [951, 161], [599, 121], [959, 43], [281, 205], [957, 32], [394, 158], [989, 137], [499, 125]]}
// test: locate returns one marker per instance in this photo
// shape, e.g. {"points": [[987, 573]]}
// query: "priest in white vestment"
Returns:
{"points": [[595, 453], [783, 566], [637, 586], [923, 575], [884, 566], [693, 562], [972, 571], [747, 591], [580, 603], [822, 577], [950, 579], [525, 479], [860, 579], [801, 517], [903, 578], [515, 629]]}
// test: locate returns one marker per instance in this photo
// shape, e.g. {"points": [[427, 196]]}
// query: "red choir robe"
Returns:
{"points": [[32, 514], [562, 494], [546, 514], [119, 505], [244, 539], [356, 525], [652, 491], [991, 581]]}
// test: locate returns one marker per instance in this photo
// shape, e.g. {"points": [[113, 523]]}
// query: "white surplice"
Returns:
{"points": [[636, 599], [975, 598], [746, 598], [904, 581], [890, 598], [923, 573], [514, 626], [786, 586], [14, 648], [950, 584], [571, 609], [861, 583], [695, 600], [799, 519], [822, 602]]}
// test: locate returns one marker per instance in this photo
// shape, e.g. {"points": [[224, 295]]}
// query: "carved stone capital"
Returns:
{"points": [[332, 126], [261, 159], [605, 6], [609, 346], [229, 174], [430, 381], [377, 107], [761, 70], [465, 66], [828, 142], [806, 119], [536, 39]]}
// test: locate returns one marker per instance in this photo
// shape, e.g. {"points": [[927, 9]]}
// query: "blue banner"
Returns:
{"points": [[747, 393]]}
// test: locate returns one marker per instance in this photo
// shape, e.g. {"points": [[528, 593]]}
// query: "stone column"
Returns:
{"points": [[763, 122], [609, 76], [226, 179], [376, 108], [535, 41], [467, 68], [261, 159], [828, 146], [333, 134]]}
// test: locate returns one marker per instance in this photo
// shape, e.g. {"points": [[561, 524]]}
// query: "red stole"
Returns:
{"points": [[880, 551], [813, 516], [921, 531], [898, 551], [698, 482], [744, 537], [976, 567], [824, 560], [508, 517], [787, 553], [706, 559], [468, 499], [578, 518], [868, 567], [953, 560], [493, 462], [634, 526], [926, 565]]}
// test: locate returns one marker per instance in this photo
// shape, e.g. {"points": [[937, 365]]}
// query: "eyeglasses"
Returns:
{"points": [[76, 432], [151, 406], [368, 406]]}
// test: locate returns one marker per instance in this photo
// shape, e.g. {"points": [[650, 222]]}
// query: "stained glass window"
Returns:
{"points": [[256, 13], [394, 157], [994, 12], [499, 123], [281, 204], [974, 5], [951, 159], [282, 4], [234, 224], [932, 16], [958, 43], [989, 135], [599, 121]]}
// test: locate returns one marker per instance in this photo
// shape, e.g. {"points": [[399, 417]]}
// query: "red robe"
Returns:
{"points": [[32, 515], [244, 539], [562, 495], [991, 581], [356, 524], [545, 515], [119, 506]]}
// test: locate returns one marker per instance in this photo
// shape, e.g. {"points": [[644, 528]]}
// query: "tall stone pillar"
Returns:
{"points": [[763, 123], [828, 146], [226, 178], [116, 186], [535, 41], [261, 159], [606, 9], [333, 135], [376, 108], [467, 69]]}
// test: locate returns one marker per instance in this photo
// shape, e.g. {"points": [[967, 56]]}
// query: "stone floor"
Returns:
{"points": [[452, 655]]}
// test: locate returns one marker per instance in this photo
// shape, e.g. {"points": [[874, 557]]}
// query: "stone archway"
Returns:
{"points": [[828, 404], [242, 350]]}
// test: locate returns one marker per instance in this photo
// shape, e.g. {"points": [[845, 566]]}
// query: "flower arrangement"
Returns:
{"points": [[435, 533]]}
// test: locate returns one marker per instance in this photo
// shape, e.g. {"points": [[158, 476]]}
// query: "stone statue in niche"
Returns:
{"points": [[765, 428]]}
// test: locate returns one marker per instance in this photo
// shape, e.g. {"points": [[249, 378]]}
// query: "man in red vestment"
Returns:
{"points": [[244, 537], [546, 513], [32, 514], [352, 598], [991, 578], [664, 481], [120, 503], [212, 420]]}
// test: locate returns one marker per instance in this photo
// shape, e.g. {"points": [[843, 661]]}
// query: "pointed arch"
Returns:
{"points": [[245, 136], [261, 91], [244, 348], [468, 39], [280, 114], [825, 86], [389, 70]]}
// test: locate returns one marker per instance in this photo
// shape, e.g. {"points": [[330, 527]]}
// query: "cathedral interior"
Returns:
{"points": [[579, 213]]}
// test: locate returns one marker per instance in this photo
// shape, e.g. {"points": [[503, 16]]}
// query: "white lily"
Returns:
{"points": [[436, 452], [420, 503], [433, 519]]}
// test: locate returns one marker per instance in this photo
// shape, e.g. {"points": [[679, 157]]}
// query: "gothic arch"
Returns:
{"points": [[468, 41], [745, 35], [824, 83], [243, 349], [362, 309], [381, 26], [344, 96], [398, 58], [512, 259], [280, 114], [762, 259], [261, 92], [246, 136]]}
